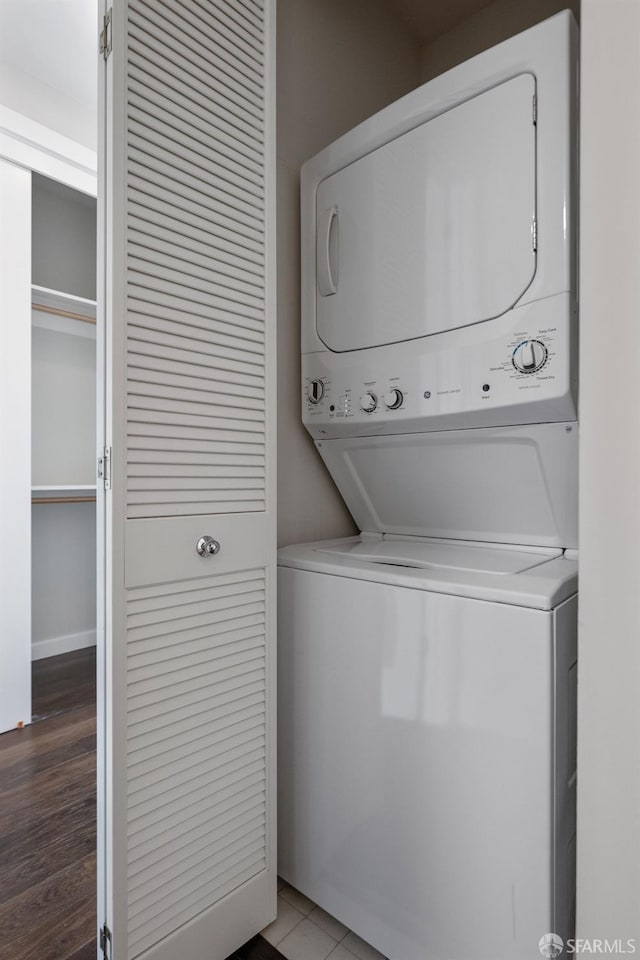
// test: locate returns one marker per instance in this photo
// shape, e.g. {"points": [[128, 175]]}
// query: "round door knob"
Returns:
{"points": [[529, 356], [207, 547], [315, 391], [368, 402], [393, 399]]}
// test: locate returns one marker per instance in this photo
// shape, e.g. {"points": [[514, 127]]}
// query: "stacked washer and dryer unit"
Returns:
{"points": [[427, 667]]}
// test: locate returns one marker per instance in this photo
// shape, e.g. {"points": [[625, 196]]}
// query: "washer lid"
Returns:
{"points": [[432, 555], [539, 578]]}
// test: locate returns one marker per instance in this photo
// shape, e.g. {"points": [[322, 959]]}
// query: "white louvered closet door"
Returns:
{"points": [[187, 809]]}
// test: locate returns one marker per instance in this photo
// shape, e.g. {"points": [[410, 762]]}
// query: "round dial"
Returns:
{"points": [[315, 391], [393, 399], [368, 402], [529, 356]]}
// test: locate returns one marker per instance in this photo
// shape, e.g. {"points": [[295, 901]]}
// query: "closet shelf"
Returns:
{"points": [[63, 312], [69, 493]]}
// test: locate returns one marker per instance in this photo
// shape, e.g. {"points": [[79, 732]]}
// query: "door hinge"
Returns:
{"points": [[104, 468], [105, 942], [534, 235], [105, 34], [534, 109]]}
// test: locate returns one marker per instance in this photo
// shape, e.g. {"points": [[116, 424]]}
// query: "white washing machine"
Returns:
{"points": [[427, 742], [427, 668]]}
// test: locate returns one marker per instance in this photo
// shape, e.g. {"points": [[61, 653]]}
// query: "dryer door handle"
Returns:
{"points": [[327, 252]]}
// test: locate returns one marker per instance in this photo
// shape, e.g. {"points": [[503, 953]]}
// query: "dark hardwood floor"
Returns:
{"points": [[47, 818], [48, 821], [64, 683]]}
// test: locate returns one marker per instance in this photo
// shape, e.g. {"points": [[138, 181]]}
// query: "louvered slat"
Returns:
{"points": [[167, 367], [184, 836], [202, 143], [161, 185], [148, 826], [160, 195], [157, 306], [147, 816], [157, 784], [237, 866], [213, 76], [184, 845], [192, 349], [197, 318], [224, 738], [155, 905], [182, 462], [160, 251], [194, 863], [190, 386], [181, 96], [146, 141], [182, 840], [227, 65], [164, 231], [217, 31], [157, 333], [155, 734], [147, 717]]}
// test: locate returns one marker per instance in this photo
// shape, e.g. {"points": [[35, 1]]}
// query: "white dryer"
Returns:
{"points": [[427, 668], [426, 762]]}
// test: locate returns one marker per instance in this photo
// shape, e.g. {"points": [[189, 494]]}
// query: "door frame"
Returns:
{"points": [[29, 144], [34, 148], [608, 834]]}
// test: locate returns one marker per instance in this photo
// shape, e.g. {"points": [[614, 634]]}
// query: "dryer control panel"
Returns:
{"points": [[520, 368]]}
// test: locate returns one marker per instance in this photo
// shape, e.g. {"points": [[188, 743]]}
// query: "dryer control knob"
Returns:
{"points": [[529, 356], [368, 402], [315, 391], [393, 399]]}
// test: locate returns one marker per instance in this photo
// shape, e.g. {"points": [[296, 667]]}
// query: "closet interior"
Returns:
{"points": [[63, 433]]}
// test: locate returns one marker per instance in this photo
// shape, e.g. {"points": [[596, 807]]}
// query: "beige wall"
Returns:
{"points": [[494, 23], [339, 61], [609, 638]]}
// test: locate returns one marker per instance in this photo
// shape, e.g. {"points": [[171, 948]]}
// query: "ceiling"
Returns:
{"points": [[53, 41], [427, 19]]}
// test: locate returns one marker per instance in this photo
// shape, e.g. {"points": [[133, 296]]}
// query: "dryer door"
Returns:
{"points": [[432, 231]]}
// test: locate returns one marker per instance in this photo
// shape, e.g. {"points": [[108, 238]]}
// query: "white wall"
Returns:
{"points": [[49, 64], [609, 638], [64, 578], [15, 446], [338, 62], [63, 410], [491, 25], [40, 102]]}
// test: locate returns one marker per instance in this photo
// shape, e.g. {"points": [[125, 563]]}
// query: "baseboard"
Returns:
{"points": [[52, 646]]}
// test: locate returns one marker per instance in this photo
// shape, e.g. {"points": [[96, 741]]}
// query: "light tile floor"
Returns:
{"points": [[304, 931]]}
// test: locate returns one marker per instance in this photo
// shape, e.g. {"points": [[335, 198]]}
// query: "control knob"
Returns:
{"points": [[315, 391], [393, 399], [368, 402], [529, 356]]}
